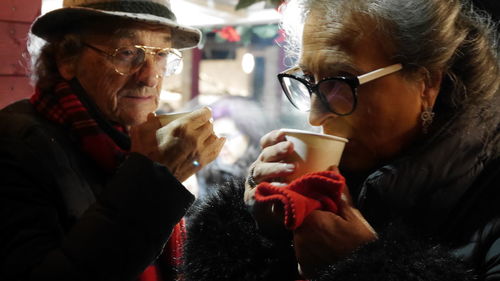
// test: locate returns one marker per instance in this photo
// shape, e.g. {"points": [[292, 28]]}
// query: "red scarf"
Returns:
{"points": [[98, 139]]}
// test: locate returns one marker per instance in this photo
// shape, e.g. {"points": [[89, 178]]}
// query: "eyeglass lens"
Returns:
{"points": [[297, 93], [129, 59], [336, 94]]}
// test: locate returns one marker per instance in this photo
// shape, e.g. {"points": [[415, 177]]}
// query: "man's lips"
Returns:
{"points": [[139, 98]]}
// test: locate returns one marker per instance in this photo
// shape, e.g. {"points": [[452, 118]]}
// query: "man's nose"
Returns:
{"points": [[149, 74]]}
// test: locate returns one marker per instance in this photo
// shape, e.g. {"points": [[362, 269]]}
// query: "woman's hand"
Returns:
{"points": [[178, 144], [270, 166], [325, 237]]}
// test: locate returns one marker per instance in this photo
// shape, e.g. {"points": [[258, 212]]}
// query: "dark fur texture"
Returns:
{"points": [[225, 244], [400, 255]]}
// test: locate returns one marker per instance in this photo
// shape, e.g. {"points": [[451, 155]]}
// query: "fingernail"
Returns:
{"points": [[289, 167]]}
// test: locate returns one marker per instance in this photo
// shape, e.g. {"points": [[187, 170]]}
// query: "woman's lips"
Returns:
{"points": [[335, 134]]}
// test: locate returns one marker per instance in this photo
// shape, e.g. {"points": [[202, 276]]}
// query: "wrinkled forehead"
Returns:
{"points": [[349, 42]]}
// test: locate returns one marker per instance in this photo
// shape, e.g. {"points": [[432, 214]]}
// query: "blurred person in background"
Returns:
{"points": [[414, 86], [242, 122], [91, 183]]}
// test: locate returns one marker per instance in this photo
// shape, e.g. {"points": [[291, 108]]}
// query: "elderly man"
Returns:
{"points": [[91, 186]]}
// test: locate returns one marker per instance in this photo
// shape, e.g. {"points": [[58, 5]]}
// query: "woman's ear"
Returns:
{"points": [[66, 68], [432, 85]]}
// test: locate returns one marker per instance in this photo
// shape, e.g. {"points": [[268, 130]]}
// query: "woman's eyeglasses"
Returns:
{"points": [[128, 60], [338, 94]]}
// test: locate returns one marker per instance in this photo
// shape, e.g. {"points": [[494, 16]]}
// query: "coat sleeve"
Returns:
{"points": [[483, 251], [115, 238]]}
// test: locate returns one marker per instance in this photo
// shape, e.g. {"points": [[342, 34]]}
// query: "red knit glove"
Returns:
{"points": [[314, 191]]}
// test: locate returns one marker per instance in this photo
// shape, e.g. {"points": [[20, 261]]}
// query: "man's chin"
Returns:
{"points": [[133, 119]]}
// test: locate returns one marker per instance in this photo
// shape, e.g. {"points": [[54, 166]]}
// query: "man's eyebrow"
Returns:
{"points": [[125, 33]]}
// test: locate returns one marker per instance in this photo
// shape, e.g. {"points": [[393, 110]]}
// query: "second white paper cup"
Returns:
{"points": [[313, 152]]}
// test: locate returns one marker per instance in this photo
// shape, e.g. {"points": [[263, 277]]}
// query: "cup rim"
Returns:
{"points": [[297, 131], [174, 113]]}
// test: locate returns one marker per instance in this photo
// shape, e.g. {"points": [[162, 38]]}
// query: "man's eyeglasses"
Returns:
{"points": [[338, 94], [128, 60]]}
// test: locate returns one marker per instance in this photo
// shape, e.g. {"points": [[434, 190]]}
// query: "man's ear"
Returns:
{"points": [[432, 86], [66, 68]]}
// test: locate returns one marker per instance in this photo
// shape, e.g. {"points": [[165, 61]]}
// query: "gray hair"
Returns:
{"points": [[437, 35], [44, 56]]}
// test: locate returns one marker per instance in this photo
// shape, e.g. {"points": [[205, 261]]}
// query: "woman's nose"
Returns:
{"points": [[318, 112]]}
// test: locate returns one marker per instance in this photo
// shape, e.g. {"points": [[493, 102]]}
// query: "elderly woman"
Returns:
{"points": [[91, 183], [414, 86]]}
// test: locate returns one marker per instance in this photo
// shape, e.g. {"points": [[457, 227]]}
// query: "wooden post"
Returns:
{"points": [[16, 17], [195, 72]]}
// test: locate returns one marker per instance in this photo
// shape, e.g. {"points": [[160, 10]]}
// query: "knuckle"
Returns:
{"points": [[212, 154], [209, 127], [257, 172]]}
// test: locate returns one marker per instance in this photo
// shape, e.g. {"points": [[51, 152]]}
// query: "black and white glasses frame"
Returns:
{"points": [[302, 100]]}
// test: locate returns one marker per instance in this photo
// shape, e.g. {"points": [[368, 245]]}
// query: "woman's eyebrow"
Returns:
{"points": [[333, 69], [303, 67], [339, 67]]}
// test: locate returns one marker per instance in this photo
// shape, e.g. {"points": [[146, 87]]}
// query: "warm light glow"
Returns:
{"points": [[248, 63], [49, 5]]}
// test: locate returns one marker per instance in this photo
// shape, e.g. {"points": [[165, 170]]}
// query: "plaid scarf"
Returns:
{"points": [[107, 144], [64, 107]]}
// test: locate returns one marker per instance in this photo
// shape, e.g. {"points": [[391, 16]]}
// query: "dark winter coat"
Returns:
{"points": [[436, 209], [61, 218]]}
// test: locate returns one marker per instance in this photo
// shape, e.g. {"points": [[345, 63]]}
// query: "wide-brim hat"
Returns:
{"points": [[78, 12]]}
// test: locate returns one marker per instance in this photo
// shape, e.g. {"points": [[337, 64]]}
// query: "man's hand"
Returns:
{"points": [[178, 144]]}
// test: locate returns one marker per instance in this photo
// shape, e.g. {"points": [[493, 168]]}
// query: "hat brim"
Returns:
{"points": [[58, 22]]}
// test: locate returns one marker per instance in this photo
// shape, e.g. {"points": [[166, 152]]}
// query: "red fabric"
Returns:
{"points": [[152, 273], [63, 107], [314, 191], [174, 245], [171, 255]]}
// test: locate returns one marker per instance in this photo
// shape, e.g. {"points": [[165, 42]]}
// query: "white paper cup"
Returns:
{"points": [[313, 152], [169, 117]]}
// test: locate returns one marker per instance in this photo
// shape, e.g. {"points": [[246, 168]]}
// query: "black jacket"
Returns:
{"points": [[436, 210], [61, 218]]}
